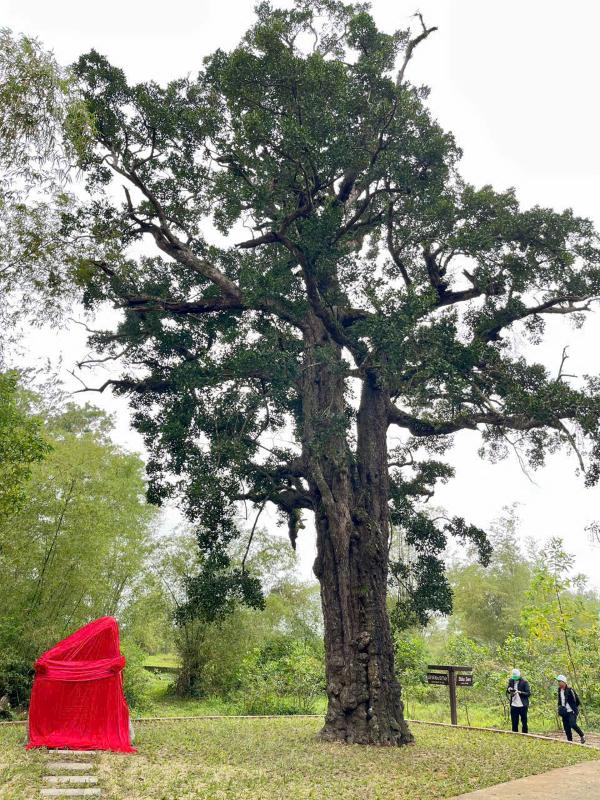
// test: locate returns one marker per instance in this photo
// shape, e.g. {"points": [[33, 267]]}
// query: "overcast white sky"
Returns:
{"points": [[517, 84]]}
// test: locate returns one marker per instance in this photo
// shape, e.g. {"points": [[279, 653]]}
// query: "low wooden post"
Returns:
{"points": [[452, 687]]}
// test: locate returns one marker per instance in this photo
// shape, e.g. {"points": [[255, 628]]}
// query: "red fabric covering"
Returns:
{"points": [[77, 699]]}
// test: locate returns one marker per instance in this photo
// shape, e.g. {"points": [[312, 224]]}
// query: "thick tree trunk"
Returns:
{"points": [[364, 704]]}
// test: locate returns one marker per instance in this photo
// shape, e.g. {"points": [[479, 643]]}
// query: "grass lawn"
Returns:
{"points": [[162, 660], [20, 770], [277, 759], [480, 716], [163, 703]]}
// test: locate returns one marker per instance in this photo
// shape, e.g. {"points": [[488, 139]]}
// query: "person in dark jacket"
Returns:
{"points": [[568, 708], [518, 692]]}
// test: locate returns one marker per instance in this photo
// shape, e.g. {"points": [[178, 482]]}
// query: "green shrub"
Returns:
{"points": [[136, 680], [16, 679], [284, 676]]}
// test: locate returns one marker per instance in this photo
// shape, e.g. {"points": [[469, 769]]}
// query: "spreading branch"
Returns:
{"points": [[553, 306], [465, 421]]}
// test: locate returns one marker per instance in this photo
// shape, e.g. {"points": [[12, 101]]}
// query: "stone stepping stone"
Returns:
{"points": [[57, 779], [71, 792], [78, 766], [73, 752]]}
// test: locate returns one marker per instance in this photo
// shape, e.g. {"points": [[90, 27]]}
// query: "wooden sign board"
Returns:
{"points": [[450, 675], [438, 678]]}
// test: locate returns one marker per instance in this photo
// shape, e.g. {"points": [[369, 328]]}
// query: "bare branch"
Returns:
{"points": [[562, 362], [88, 362], [411, 47], [573, 443], [164, 237], [86, 388], [517, 453], [260, 510], [144, 385]]}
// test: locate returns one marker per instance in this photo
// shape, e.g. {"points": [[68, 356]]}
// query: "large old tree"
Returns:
{"points": [[321, 275]]}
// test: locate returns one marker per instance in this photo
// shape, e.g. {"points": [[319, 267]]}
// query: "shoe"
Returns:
{"points": [[583, 740]]}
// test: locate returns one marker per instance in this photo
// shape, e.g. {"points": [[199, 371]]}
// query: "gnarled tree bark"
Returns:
{"points": [[352, 522]]}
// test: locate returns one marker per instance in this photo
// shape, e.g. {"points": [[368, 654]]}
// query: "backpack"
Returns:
{"points": [[562, 710]]}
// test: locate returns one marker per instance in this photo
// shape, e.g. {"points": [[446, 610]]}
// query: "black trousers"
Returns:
{"points": [[517, 712], [570, 724]]}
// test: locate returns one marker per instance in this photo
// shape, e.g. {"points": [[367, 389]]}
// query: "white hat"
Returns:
{"points": [[562, 678], [516, 673]]}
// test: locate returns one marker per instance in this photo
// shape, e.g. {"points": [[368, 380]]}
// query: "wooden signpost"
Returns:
{"points": [[450, 676]]}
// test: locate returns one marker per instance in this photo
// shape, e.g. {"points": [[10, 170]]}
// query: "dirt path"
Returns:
{"points": [[593, 739]]}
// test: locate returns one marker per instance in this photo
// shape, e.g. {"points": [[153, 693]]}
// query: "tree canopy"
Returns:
{"points": [[357, 212]]}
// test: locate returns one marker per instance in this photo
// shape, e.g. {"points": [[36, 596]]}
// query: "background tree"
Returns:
{"points": [[72, 550], [219, 615], [37, 109], [533, 613], [559, 615], [22, 444], [488, 601], [321, 273], [200, 596]]}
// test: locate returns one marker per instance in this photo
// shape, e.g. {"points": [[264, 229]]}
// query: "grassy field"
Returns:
{"points": [[540, 720], [20, 771], [162, 660], [163, 703], [281, 758]]}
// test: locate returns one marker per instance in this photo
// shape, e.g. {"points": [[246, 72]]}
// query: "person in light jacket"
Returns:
{"points": [[518, 692], [568, 708]]}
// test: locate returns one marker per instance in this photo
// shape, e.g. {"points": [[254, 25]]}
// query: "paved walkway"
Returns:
{"points": [[579, 782]]}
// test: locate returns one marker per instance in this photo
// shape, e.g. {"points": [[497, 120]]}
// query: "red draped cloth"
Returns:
{"points": [[77, 699]]}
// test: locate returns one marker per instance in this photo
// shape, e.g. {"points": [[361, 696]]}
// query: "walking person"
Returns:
{"points": [[568, 708], [518, 691]]}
